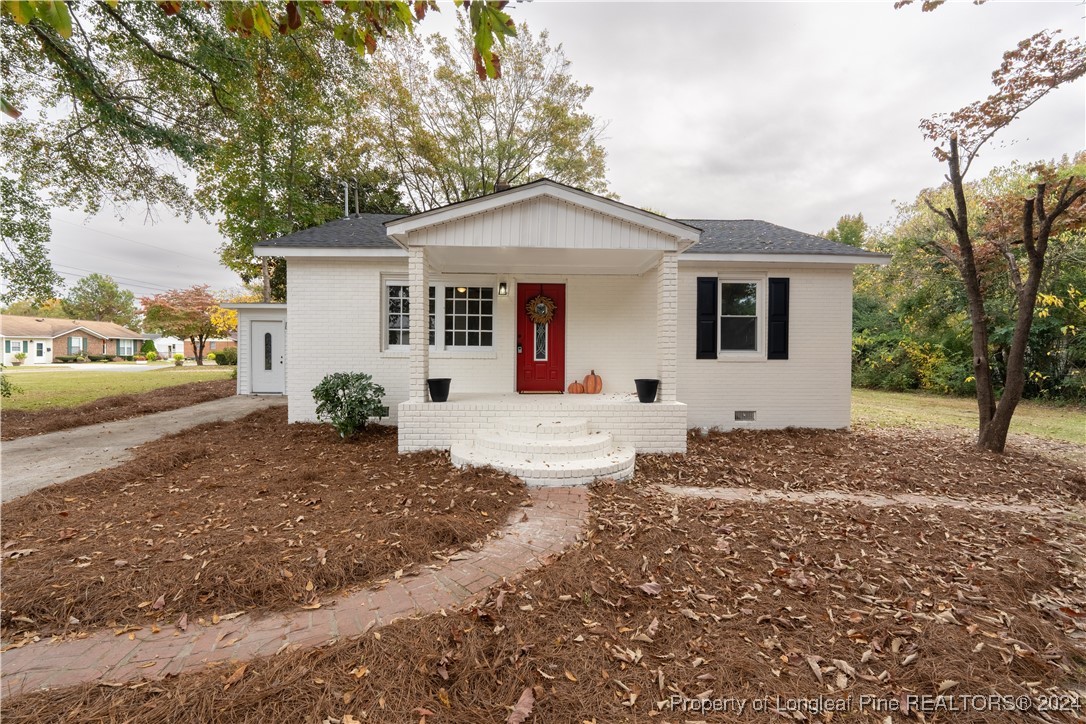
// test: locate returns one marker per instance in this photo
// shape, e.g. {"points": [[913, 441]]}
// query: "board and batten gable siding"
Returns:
{"points": [[812, 388], [542, 222], [335, 319]]}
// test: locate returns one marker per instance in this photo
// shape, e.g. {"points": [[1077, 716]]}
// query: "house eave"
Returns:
{"points": [[786, 259], [289, 252]]}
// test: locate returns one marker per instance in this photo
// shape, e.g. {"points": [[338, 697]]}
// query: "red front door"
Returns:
{"points": [[541, 348]]}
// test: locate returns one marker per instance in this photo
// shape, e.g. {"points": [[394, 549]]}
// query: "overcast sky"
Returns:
{"points": [[792, 112]]}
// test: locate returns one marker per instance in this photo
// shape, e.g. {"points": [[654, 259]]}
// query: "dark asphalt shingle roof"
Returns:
{"points": [[750, 236], [741, 236], [359, 231]]}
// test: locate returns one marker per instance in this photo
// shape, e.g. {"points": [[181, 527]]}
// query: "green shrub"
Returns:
{"points": [[101, 358], [66, 358], [147, 347], [348, 400], [7, 389], [228, 356]]}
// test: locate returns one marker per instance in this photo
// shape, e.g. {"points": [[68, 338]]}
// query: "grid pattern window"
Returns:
{"points": [[739, 317], [75, 345], [469, 316], [127, 347], [398, 326], [399, 315]]}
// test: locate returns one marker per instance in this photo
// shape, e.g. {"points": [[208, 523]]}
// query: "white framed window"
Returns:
{"points": [[126, 347], [742, 304], [460, 316], [75, 345], [468, 319]]}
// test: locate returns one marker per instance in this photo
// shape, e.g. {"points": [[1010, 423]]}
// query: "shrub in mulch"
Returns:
{"points": [[688, 599], [878, 460], [251, 515], [21, 423]]}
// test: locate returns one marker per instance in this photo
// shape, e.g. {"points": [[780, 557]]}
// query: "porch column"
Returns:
{"points": [[667, 339], [418, 279]]}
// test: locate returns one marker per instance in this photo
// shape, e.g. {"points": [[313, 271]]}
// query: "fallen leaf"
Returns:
{"points": [[235, 677], [651, 588], [183, 622], [523, 708]]}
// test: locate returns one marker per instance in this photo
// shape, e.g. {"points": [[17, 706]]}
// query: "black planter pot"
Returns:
{"points": [[439, 388], [646, 390]]}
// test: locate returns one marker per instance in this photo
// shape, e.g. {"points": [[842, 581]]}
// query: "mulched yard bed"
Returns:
{"points": [[879, 460], [22, 423], [250, 515], [685, 598]]}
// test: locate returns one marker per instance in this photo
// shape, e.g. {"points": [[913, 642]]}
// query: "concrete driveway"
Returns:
{"points": [[30, 463]]}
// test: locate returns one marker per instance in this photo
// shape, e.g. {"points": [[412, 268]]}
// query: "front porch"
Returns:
{"points": [[648, 427]]}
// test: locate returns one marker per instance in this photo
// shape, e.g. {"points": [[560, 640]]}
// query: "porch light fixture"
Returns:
{"points": [[462, 290], [503, 289]]}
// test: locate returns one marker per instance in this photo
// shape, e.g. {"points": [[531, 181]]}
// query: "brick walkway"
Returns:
{"points": [[534, 534], [873, 500]]}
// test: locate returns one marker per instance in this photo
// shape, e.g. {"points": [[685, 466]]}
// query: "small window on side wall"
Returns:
{"points": [[739, 317]]}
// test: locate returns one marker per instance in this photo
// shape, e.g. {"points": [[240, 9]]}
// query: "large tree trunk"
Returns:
{"points": [[967, 267]]}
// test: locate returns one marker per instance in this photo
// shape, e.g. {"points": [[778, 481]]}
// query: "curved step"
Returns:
{"points": [[617, 464], [544, 447], [548, 427]]}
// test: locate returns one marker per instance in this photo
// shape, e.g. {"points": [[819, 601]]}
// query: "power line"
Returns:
{"points": [[84, 276], [132, 241], [136, 282]]}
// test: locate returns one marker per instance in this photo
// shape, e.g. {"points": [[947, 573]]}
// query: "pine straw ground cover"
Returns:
{"points": [[21, 423], [896, 460], [250, 515], [686, 598]]}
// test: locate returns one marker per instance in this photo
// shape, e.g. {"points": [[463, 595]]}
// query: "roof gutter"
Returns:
{"points": [[815, 258]]}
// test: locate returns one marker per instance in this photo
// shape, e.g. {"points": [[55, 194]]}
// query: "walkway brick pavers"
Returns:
{"points": [[534, 534], [870, 499]]}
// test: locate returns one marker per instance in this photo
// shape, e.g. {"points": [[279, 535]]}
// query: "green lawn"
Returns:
{"points": [[41, 387], [912, 409]]}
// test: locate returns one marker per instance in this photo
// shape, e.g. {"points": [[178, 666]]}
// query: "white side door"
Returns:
{"points": [[266, 349], [39, 352]]}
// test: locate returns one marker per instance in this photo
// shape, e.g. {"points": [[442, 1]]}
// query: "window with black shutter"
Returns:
{"points": [[777, 327], [707, 316]]}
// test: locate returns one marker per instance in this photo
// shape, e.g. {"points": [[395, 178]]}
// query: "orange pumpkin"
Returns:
{"points": [[576, 388], [593, 383]]}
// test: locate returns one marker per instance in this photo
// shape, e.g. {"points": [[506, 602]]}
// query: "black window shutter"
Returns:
{"points": [[707, 314], [777, 347]]}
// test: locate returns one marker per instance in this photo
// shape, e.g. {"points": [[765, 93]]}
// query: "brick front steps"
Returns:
{"points": [[548, 452], [532, 538]]}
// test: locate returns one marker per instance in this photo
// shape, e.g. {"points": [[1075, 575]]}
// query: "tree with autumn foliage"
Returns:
{"points": [[191, 314], [1021, 223], [450, 135]]}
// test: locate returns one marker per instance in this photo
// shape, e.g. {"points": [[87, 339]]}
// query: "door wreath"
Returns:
{"points": [[540, 309]]}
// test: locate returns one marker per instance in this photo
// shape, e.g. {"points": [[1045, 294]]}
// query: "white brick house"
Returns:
{"points": [[743, 323]]}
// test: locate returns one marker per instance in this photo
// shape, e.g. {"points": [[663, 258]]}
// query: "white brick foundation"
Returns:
{"points": [[653, 427]]}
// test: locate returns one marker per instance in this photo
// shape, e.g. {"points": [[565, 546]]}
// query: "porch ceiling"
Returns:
{"points": [[520, 260]]}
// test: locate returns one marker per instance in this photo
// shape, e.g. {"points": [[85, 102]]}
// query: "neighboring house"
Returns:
{"points": [[744, 324], [212, 345], [167, 347], [43, 339]]}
